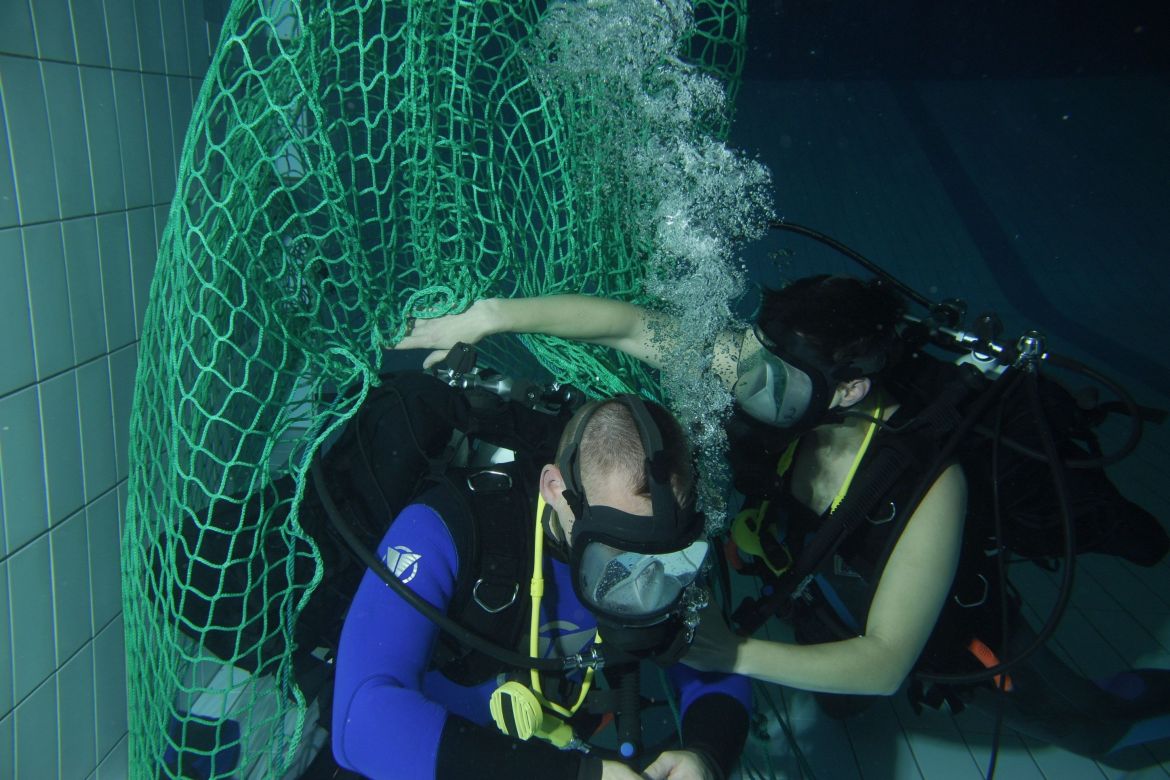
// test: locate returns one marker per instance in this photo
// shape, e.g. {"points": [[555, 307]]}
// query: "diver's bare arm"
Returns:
{"points": [[904, 611], [617, 324]]}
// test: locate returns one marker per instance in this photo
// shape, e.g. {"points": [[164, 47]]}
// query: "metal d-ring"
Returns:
{"points": [[883, 520], [978, 602], [505, 482], [494, 610]]}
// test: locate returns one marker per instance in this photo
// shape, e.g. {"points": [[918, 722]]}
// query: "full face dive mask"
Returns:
{"points": [[636, 573]]}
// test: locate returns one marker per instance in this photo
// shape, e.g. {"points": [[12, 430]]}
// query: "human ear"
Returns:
{"points": [[552, 485], [552, 489]]}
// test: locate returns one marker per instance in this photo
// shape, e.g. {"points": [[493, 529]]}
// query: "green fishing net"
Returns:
{"points": [[350, 165]]}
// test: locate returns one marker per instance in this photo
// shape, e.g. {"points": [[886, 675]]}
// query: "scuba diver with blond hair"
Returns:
{"points": [[615, 551]]}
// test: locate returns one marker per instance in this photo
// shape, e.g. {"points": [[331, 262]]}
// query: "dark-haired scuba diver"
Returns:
{"points": [[898, 588], [617, 552]]}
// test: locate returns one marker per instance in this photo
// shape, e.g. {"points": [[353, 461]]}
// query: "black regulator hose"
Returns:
{"points": [[1060, 483], [1004, 385], [857, 257], [1001, 683], [1132, 410], [504, 655]]}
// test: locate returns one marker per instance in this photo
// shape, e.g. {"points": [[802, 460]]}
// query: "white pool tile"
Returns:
{"points": [[54, 30], [109, 674], [117, 287], [101, 130], [18, 369], [30, 575], [36, 733], [71, 154], [89, 33], [105, 584], [163, 157], [48, 288], [22, 468], [9, 214], [6, 700], [123, 369], [174, 30], [150, 35], [16, 28], [86, 306], [61, 432], [77, 743], [128, 97], [71, 604], [123, 34], [96, 408], [27, 116]]}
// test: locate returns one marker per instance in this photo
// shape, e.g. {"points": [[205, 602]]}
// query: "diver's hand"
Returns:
{"points": [[616, 770], [442, 333], [715, 648], [679, 765]]}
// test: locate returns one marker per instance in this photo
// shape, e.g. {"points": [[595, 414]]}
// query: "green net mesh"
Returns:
{"points": [[350, 165]]}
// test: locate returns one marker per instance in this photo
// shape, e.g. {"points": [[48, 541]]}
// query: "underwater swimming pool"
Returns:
{"points": [[1013, 156]]}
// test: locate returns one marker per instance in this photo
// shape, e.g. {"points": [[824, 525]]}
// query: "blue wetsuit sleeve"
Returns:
{"points": [[383, 725], [714, 711]]}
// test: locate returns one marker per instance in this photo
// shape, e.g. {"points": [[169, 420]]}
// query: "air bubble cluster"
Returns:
{"points": [[690, 199]]}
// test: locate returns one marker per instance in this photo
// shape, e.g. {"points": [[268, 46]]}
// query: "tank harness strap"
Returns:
{"points": [[498, 504], [887, 466], [486, 511]]}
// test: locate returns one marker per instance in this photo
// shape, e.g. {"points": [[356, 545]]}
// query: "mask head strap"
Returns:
{"points": [[669, 520], [569, 460]]}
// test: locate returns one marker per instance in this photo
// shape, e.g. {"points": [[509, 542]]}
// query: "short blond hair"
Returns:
{"points": [[611, 443]]}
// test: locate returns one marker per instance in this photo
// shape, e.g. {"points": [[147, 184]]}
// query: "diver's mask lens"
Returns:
{"points": [[772, 390], [637, 588]]}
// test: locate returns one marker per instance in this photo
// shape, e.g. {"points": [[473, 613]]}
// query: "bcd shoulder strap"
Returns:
{"points": [[396, 448], [489, 513]]}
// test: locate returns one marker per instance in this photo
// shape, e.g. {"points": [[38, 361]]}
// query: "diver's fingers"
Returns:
{"points": [[434, 357], [409, 339], [414, 342], [421, 334]]}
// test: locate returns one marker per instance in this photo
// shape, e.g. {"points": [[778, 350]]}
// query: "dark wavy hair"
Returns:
{"points": [[844, 319]]}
